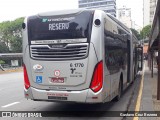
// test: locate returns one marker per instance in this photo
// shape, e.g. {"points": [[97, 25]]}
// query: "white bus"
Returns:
{"points": [[84, 56]]}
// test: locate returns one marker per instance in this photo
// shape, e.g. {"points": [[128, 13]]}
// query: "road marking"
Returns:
{"points": [[8, 105], [138, 103]]}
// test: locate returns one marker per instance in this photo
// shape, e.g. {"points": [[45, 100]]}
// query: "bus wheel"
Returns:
{"points": [[120, 88]]}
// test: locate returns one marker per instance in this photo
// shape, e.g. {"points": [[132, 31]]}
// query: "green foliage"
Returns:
{"points": [[136, 33], [5, 33], [2, 62], [16, 44], [145, 32], [11, 34], [3, 48]]}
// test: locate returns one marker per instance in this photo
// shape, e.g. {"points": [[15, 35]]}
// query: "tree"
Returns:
{"points": [[2, 62], [3, 48], [16, 40], [11, 34], [136, 33], [5, 33], [145, 32], [16, 44]]}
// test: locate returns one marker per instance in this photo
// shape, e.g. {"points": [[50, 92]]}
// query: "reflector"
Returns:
{"points": [[26, 80]]}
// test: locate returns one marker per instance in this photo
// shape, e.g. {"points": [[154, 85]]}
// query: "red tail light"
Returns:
{"points": [[26, 80], [97, 78]]}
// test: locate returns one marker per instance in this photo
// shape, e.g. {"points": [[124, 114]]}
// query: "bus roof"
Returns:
{"points": [[63, 12]]}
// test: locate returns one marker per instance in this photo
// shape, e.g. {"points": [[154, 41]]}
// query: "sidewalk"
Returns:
{"points": [[149, 94], [11, 70]]}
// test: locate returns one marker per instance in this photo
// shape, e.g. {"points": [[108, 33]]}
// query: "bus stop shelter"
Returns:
{"points": [[154, 46]]}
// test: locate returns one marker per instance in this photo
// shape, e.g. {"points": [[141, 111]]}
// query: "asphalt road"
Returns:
{"points": [[12, 99]]}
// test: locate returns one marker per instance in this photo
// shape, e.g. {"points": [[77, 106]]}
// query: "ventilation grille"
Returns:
{"points": [[68, 52]]}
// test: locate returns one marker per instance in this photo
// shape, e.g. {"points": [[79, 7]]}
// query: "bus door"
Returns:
{"points": [[139, 55]]}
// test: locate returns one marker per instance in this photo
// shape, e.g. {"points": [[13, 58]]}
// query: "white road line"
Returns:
{"points": [[10, 104]]}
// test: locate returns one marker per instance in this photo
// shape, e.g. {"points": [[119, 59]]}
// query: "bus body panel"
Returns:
{"points": [[47, 73], [114, 78], [116, 48], [97, 38], [70, 80], [83, 96], [98, 41], [60, 73]]}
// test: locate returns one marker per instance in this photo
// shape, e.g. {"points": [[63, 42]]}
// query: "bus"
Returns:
{"points": [[83, 56]]}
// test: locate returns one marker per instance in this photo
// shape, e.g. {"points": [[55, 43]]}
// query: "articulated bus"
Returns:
{"points": [[83, 56]]}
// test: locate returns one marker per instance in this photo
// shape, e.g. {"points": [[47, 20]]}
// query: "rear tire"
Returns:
{"points": [[120, 88]]}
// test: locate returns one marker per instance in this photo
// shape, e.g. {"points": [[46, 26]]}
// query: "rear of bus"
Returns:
{"points": [[63, 59]]}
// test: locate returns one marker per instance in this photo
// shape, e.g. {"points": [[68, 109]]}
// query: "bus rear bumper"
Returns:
{"points": [[83, 96]]}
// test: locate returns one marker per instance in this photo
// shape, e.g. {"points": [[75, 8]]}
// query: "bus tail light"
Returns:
{"points": [[26, 80], [97, 78]]}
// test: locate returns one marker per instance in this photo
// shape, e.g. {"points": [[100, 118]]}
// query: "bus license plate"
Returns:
{"points": [[57, 80], [57, 98]]}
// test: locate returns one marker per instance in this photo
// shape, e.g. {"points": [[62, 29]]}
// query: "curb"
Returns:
{"points": [[12, 70]]}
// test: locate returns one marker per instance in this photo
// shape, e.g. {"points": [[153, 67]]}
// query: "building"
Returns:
{"points": [[124, 15], [109, 6], [153, 4], [148, 11]]}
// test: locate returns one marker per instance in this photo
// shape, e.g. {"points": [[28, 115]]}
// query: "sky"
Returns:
{"points": [[12, 9]]}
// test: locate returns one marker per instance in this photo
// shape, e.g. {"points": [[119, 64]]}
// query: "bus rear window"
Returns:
{"points": [[60, 27]]}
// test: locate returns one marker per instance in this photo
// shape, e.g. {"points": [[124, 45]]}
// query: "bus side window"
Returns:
{"points": [[111, 54]]}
